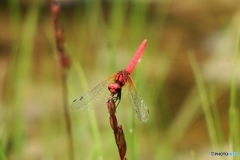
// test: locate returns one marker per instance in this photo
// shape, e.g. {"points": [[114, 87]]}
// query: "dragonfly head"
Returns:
{"points": [[114, 88]]}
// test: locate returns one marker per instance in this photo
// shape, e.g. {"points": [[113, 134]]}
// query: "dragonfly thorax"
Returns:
{"points": [[116, 87], [119, 81], [121, 77]]}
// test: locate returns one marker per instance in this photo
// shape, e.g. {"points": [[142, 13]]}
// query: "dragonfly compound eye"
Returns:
{"points": [[114, 88]]}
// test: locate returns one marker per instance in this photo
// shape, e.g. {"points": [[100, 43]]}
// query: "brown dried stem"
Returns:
{"points": [[118, 131], [64, 65]]}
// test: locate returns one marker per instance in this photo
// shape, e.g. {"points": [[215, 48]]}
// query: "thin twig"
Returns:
{"points": [[64, 65], [118, 130]]}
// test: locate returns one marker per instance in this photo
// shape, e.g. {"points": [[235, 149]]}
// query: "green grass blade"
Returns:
{"points": [[234, 110], [2, 155], [204, 100], [97, 149], [18, 77], [216, 117]]}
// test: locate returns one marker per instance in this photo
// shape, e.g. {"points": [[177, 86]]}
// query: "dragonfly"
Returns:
{"points": [[116, 83]]}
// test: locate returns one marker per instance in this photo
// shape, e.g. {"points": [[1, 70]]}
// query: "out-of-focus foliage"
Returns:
{"points": [[100, 38]]}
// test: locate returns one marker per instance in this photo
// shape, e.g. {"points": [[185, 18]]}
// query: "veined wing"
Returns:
{"points": [[137, 101], [96, 97]]}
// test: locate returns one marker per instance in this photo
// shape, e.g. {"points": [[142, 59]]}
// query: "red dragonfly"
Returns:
{"points": [[98, 95]]}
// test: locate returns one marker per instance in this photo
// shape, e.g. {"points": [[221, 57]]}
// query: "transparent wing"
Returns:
{"points": [[96, 97], [137, 101]]}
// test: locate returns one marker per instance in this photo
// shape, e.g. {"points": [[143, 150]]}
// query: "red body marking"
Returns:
{"points": [[136, 57]]}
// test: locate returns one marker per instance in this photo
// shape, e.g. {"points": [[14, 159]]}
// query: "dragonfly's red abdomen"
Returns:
{"points": [[136, 57]]}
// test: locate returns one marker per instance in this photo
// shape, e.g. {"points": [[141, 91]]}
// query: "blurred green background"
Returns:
{"points": [[188, 77]]}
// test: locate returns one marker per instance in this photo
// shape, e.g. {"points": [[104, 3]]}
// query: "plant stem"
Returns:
{"points": [[64, 64], [233, 109]]}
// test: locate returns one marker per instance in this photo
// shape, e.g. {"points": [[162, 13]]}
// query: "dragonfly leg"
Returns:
{"points": [[117, 97]]}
